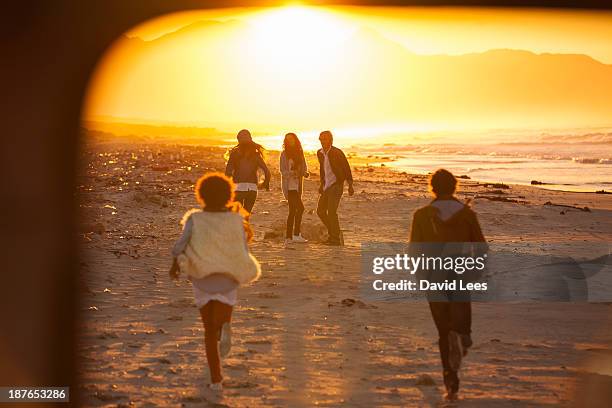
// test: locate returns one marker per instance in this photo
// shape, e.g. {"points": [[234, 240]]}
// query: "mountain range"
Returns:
{"points": [[211, 71]]}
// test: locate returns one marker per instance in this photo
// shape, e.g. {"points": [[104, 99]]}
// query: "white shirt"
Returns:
{"points": [[246, 187], [293, 182], [330, 177]]}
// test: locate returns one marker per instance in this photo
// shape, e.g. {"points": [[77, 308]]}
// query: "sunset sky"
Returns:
{"points": [[363, 70]]}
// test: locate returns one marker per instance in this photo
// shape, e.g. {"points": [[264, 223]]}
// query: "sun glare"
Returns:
{"points": [[362, 71], [297, 38]]}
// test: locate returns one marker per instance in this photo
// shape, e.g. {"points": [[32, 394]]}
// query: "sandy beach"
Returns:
{"points": [[302, 334]]}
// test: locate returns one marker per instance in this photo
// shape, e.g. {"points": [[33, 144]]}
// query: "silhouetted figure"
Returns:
{"points": [[242, 165], [293, 169], [446, 219], [334, 171]]}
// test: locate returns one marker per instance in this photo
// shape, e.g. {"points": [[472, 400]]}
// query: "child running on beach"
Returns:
{"points": [[213, 252], [447, 220]]}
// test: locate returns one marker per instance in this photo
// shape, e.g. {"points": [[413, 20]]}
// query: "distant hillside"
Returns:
{"points": [[110, 130], [210, 64]]}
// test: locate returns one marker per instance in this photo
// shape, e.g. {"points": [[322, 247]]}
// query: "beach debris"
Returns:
{"points": [[425, 380], [92, 308], [497, 185], [137, 345], [108, 335], [350, 302], [502, 199], [585, 209]]}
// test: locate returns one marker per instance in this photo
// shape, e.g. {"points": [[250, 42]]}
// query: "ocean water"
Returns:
{"points": [[567, 159], [569, 174]]}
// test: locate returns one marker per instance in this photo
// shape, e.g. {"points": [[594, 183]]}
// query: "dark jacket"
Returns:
{"points": [[339, 164], [462, 226], [244, 169]]}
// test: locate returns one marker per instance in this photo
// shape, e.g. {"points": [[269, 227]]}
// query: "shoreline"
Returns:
{"points": [[540, 185], [374, 166], [372, 157], [532, 183]]}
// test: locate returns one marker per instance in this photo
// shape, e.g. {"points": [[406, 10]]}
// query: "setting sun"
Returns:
{"points": [[365, 71], [297, 37]]}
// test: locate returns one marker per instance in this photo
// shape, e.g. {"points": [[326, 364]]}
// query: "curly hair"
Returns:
{"points": [[215, 192]]}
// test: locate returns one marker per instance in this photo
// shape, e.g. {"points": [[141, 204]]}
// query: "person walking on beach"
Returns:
{"points": [[447, 220], [334, 171], [293, 169], [213, 252], [242, 165]]}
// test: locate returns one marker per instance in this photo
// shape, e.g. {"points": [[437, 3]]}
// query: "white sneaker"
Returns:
{"points": [[217, 387], [299, 238], [225, 345]]}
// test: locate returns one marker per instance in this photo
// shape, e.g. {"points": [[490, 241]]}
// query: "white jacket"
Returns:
{"points": [[218, 245]]}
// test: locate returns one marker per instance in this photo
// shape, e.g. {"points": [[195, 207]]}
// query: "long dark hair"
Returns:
{"points": [[249, 149], [246, 147], [295, 152]]}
